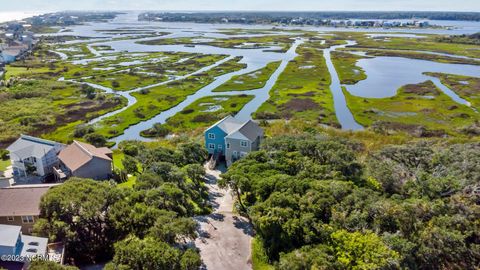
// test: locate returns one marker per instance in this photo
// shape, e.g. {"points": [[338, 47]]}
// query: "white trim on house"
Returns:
{"points": [[240, 139], [211, 136], [236, 135], [211, 146], [27, 219], [244, 143]]}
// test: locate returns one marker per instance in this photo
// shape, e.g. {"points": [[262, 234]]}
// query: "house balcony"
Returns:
{"points": [[60, 174]]}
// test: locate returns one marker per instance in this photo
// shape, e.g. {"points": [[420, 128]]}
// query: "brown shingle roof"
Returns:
{"points": [[21, 201], [78, 154]]}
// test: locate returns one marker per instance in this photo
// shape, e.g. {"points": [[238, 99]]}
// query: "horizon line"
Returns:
{"points": [[232, 11]]}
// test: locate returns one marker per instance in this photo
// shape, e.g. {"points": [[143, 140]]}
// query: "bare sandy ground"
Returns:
{"points": [[224, 237]]}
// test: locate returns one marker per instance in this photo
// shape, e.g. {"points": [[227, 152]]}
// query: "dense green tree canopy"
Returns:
{"points": [[99, 221], [318, 202], [148, 253], [48, 265]]}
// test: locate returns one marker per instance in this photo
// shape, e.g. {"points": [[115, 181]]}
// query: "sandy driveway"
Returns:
{"points": [[224, 238]]}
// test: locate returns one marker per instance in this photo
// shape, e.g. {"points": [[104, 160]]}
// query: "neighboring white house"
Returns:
{"points": [[34, 156]]}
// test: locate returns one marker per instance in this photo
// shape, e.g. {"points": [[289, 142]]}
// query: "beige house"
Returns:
{"points": [[85, 161], [20, 206]]}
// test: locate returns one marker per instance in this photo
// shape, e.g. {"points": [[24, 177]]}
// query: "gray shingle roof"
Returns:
{"points": [[32, 146], [250, 130], [228, 124]]}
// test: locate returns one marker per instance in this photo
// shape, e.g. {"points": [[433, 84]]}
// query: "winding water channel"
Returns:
{"points": [[261, 95], [344, 116], [385, 74]]}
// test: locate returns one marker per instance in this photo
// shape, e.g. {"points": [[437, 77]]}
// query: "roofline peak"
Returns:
{"points": [[83, 148]]}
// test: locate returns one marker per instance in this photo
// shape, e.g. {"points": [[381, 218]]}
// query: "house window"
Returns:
{"points": [[211, 146], [244, 143], [27, 219], [10, 218], [34, 159], [228, 145], [220, 147], [211, 136]]}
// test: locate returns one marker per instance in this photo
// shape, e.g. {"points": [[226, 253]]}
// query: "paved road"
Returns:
{"points": [[224, 237]]}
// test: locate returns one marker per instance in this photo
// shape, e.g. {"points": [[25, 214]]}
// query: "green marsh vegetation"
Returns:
{"points": [[200, 114], [427, 43], [345, 65], [250, 81], [466, 87], [155, 100], [75, 104], [302, 90], [462, 39], [418, 109], [422, 56], [33, 102], [242, 31], [102, 48], [282, 41], [127, 71], [44, 29], [76, 51]]}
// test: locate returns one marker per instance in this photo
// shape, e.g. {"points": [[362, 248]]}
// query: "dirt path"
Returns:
{"points": [[224, 237]]}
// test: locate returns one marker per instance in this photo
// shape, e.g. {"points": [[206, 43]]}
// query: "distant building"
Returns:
{"points": [[34, 156], [85, 161], [20, 206], [232, 139]]}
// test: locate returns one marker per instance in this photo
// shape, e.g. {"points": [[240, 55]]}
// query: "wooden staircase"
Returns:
{"points": [[212, 163]]}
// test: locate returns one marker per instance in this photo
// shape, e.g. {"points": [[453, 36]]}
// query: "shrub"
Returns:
{"points": [[82, 130], [97, 140], [144, 91], [187, 111], [158, 130], [4, 155]]}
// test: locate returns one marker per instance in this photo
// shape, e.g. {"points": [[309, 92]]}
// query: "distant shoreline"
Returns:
{"points": [[7, 16]]}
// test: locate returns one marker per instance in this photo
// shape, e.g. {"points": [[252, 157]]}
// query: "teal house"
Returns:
{"points": [[232, 139]]}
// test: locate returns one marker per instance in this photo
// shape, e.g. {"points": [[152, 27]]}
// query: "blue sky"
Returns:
{"points": [[55, 5]]}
